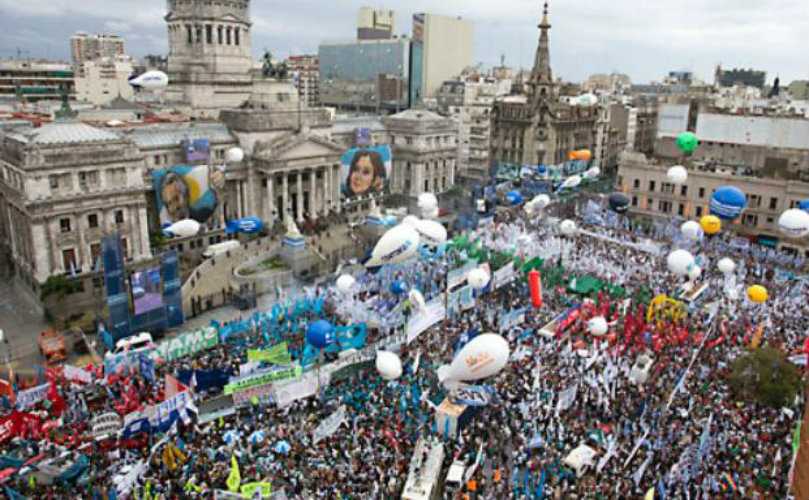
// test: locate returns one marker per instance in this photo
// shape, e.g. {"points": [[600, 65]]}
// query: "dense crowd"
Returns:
{"points": [[681, 431]]}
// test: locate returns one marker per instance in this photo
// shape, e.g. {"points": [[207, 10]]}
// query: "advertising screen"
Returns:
{"points": [[366, 170], [146, 290], [187, 192], [197, 150]]}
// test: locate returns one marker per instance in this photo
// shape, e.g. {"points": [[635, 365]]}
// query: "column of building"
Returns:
{"points": [[285, 194], [313, 201], [299, 198]]}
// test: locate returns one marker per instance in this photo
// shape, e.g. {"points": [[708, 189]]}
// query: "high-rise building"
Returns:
{"points": [[531, 126], [103, 80], [89, 47], [738, 76], [36, 80], [443, 47], [375, 24], [209, 54], [306, 77]]}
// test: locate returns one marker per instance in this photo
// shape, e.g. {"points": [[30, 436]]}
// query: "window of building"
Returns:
{"points": [[699, 211], [236, 36], [95, 255], [190, 35], [208, 34], [702, 192], [98, 283], [634, 201], [409, 141], [773, 203], [69, 259], [754, 200], [125, 248], [681, 209], [683, 190], [667, 188], [426, 184], [219, 34], [64, 225], [636, 184], [119, 216], [750, 220], [92, 221], [651, 186], [227, 36], [53, 181], [199, 34], [664, 206], [770, 220], [157, 159]]}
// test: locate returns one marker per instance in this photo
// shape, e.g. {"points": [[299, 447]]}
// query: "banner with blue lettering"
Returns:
{"points": [[476, 395], [206, 379]]}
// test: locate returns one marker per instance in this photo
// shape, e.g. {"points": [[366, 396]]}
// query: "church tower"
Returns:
{"points": [[209, 53], [540, 84]]}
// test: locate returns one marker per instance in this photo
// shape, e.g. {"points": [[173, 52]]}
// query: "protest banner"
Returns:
{"points": [[329, 426], [214, 408], [287, 373], [503, 276], [256, 490], [105, 425], [277, 354], [30, 397], [423, 321], [475, 395], [307, 386], [512, 319], [75, 374], [186, 344]]}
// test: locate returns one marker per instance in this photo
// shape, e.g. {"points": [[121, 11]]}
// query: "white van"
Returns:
{"points": [[134, 343], [220, 248]]}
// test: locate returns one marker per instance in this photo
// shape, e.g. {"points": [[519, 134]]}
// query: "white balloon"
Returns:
{"points": [[151, 80], [388, 365], [540, 201], [431, 232], [794, 222], [410, 220], [679, 262], [395, 246], [726, 266], [677, 174], [183, 228], [567, 227], [478, 278], [572, 181], [694, 272], [417, 299], [592, 173], [692, 230], [427, 201], [431, 213], [597, 326], [235, 155], [484, 356], [345, 283]]}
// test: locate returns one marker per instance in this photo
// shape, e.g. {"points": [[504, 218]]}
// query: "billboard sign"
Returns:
{"points": [[197, 150], [146, 291], [362, 137], [187, 192], [366, 170]]}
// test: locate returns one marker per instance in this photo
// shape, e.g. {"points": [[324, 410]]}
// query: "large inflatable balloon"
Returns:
{"points": [[804, 205], [345, 283], [680, 262], [247, 225], [320, 334], [592, 173], [417, 299], [235, 155], [726, 266], [619, 203], [484, 356], [691, 230], [150, 80], [535, 286], [572, 182], [794, 222], [398, 287], [728, 202], [388, 365], [182, 229], [580, 154], [410, 220], [710, 224], [597, 326], [757, 294], [427, 202], [687, 142], [586, 100], [477, 278], [395, 246], [694, 272], [567, 227], [677, 174], [513, 198], [431, 233], [540, 202], [431, 213]]}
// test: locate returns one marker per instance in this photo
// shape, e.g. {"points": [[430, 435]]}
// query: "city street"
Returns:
{"points": [[21, 320]]}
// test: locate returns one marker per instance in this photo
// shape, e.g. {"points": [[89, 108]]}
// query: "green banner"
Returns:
{"points": [[249, 489], [290, 373], [186, 344], [277, 354]]}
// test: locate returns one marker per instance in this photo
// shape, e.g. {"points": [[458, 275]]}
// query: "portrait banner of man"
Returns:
{"points": [[188, 192]]}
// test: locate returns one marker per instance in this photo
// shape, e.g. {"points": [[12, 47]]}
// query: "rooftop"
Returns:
{"points": [[66, 132], [168, 135]]}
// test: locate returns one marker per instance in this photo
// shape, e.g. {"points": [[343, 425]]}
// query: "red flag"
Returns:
{"points": [[173, 387], [57, 403]]}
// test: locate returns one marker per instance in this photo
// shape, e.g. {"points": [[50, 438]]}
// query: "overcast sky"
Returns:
{"points": [[644, 38]]}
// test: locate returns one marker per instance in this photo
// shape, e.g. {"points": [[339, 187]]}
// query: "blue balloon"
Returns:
{"points": [[728, 202], [398, 287], [513, 198], [804, 205], [542, 169], [320, 333]]}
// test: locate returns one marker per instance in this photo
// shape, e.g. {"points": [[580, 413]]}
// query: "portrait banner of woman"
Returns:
{"points": [[187, 192], [366, 170]]}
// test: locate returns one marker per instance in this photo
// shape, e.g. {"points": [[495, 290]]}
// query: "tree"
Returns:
{"points": [[58, 286], [765, 376]]}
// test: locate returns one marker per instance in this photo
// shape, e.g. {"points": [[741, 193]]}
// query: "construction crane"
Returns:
{"points": [[17, 50]]}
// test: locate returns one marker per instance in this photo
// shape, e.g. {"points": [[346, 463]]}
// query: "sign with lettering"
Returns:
{"points": [[329, 426], [30, 397], [107, 424], [277, 354], [186, 344], [256, 490], [289, 373], [475, 395], [424, 320]]}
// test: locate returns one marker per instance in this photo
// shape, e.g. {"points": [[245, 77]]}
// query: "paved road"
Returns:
{"points": [[21, 320]]}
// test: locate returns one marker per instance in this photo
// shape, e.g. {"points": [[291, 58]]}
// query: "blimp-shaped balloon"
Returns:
{"points": [[592, 173], [619, 203], [427, 202], [677, 174], [247, 225], [540, 201], [417, 299], [572, 182], [587, 100], [794, 222], [692, 230], [484, 356], [410, 220], [395, 246], [182, 229], [150, 80], [477, 278], [388, 365], [728, 202], [680, 262], [431, 233], [431, 213]]}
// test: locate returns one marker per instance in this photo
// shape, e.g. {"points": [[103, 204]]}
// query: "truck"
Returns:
{"points": [[220, 248], [52, 347]]}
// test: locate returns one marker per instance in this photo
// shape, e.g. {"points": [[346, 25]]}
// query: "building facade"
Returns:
{"points": [[531, 126], [209, 54], [739, 76], [35, 81], [425, 148], [374, 24], [86, 47], [652, 195], [103, 80], [443, 47], [611, 135], [305, 72]]}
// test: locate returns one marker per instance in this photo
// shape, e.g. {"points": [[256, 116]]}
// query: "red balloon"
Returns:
{"points": [[535, 284]]}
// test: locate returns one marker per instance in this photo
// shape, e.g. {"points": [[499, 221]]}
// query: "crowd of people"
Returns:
{"points": [[681, 433]]}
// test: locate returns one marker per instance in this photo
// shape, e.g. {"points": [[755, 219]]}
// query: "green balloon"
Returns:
{"points": [[254, 400], [687, 142]]}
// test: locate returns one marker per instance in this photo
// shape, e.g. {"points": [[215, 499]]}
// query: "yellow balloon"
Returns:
{"points": [[757, 294], [710, 224]]}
